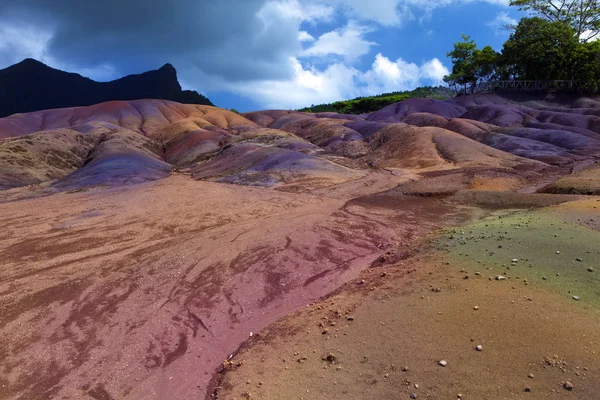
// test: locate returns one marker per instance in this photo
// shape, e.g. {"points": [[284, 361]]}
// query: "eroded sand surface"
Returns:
{"points": [[143, 242], [143, 291], [383, 335]]}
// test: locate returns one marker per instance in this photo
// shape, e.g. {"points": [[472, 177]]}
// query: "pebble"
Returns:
{"points": [[591, 269], [527, 389], [530, 376], [557, 252], [350, 318], [479, 347], [500, 278], [476, 308], [579, 259], [413, 396], [443, 363], [515, 260], [575, 297], [568, 385]]}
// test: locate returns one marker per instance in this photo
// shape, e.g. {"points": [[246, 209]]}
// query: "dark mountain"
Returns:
{"points": [[31, 86]]}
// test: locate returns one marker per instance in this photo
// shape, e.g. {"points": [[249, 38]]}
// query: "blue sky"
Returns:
{"points": [[255, 54]]}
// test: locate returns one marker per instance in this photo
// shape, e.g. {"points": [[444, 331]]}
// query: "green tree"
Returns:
{"points": [[586, 65], [486, 63], [539, 49], [581, 15], [464, 65], [471, 65]]}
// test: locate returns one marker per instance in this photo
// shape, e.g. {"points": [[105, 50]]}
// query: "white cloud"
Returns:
{"points": [[339, 81], [395, 12], [304, 36], [434, 71], [501, 22], [589, 36], [347, 42], [293, 9]]}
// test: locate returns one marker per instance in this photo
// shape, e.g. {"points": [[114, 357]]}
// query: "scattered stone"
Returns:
{"points": [[479, 347], [404, 369], [476, 308], [557, 252], [568, 385], [350, 318], [413, 396], [530, 376], [330, 358], [527, 389], [590, 269], [575, 298], [500, 278], [579, 259], [515, 260], [443, 363]]}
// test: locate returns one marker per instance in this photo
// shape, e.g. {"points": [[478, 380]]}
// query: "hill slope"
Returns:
{"points": [[32, 86]]}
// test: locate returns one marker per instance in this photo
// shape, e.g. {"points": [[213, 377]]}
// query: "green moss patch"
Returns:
{"points": [[530, 248]]}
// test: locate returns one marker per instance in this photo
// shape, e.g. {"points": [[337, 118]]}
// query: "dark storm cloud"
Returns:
{"points": [[220, 37]]}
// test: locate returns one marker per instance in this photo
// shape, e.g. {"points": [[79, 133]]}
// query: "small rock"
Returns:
{"points": [[350, 318], [527, 389], [479, 347], [568, 385], [590, 269], [476, 308], [575, 298], [515, 260], [557, 252], [413, 396], [500, 278], [443, 363], [530, 376], [579, 259], [404, 369]]}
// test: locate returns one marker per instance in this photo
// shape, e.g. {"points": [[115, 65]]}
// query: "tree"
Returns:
{"points": [[464, 67], [586, 68], [581, 15], [486, 62], [471, 65], [541, 50]]}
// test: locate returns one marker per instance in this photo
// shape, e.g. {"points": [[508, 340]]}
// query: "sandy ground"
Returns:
{"points": [[383, 335], [142, 292]]}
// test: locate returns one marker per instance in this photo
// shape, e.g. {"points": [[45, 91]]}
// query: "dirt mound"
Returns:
{"points": [[586, 181], [396, 112]]}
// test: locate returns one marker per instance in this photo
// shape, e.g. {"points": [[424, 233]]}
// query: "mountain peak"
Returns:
{"points": [[32, 85]]}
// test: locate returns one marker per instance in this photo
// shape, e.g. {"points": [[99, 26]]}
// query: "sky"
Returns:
{"points": [[255, 54]]}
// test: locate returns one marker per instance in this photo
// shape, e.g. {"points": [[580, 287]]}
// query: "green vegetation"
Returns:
{"points": [[363, 105], [581, 15], [535, 248], [546, 47]]}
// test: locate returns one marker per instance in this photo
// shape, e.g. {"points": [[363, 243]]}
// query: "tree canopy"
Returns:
{"points": [[581, 15], [539, 49], [471, 65]]}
